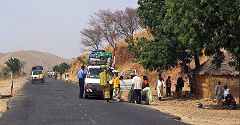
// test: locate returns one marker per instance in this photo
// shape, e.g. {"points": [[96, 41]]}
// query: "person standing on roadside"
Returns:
{"points": [[219, 91], [145, 82], [137, 83], [81, 77], [159, 87], [179, 86], [116, 86], [168, 86], [104, 81]]}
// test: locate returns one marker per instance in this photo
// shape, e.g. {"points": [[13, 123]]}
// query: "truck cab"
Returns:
{"points": [[37, 74], [92, 82]]}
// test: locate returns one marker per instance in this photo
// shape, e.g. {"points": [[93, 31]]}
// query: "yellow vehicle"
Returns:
{"points": [[37, 74]]}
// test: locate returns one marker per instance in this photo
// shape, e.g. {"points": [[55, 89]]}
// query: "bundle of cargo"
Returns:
{"points": [[100, 58], [100, 55]]}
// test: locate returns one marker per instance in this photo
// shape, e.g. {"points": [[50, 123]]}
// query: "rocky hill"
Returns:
{"points": [[32, 58]]}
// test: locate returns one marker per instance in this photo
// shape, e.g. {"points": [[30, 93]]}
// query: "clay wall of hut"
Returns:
{"points": [[205, 84]]}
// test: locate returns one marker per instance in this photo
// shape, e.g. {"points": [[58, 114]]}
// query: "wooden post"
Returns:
{"points": [[114, 56], [12, 84]]}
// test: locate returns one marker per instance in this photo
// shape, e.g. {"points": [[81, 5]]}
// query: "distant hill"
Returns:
{"points": [[33, 58]]}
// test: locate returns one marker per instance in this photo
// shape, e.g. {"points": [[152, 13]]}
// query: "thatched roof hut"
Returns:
{"points": [[226, 69], [207, 76]]}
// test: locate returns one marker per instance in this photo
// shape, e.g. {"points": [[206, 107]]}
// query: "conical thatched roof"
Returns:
{"points": [[225, 69]]}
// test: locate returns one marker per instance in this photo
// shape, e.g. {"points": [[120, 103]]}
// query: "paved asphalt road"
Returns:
{"points": [[57, 103]]}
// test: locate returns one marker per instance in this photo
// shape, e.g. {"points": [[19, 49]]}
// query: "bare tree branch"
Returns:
{"points": [[91, 38], [127, 22], [103, 20]]}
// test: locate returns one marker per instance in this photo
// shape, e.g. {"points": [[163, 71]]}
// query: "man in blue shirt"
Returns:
{"points": [[81, 77]]}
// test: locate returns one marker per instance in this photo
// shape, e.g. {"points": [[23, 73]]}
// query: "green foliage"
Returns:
{"points": [[152, 13], [15, 65], [187, 29], [5, 72], [61, 68]]}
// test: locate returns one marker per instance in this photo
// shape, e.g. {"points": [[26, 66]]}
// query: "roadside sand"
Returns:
{"points": [[189, 113], [5, 91]]}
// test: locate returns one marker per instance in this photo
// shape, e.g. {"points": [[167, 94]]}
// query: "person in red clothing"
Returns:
{"points": [[144, 85], [145, 82]]}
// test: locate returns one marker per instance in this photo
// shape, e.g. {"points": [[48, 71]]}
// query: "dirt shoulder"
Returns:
{"points": [[5, 91], [189, 113]]}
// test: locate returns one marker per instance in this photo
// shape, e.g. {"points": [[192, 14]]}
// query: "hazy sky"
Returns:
{"points": [[49, 25]]}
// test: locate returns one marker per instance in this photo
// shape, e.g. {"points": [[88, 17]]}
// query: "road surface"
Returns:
{"points": [[56, 103]]}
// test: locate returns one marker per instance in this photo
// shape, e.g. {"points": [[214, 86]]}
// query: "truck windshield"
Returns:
{"points": [[37, 72], [93, 73]]}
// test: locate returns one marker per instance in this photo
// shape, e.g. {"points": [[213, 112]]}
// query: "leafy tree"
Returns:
{"points": [[15, 65], [5, 72], [152, 14], [191, 28], [165, 51], [61, 68]]}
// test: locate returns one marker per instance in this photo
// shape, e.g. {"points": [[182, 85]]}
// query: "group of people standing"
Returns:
{"points": [[168, 85]]}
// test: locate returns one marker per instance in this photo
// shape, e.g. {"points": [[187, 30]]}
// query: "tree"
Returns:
{"points": [[61, 68], [152, 14], [193, 28], [103, 20], [127, 22], [165, 51], [15, 65], [5, 72], [91, 38]]}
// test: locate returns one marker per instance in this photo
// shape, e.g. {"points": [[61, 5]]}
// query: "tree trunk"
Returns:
{"points": [[197, 61], [238, 67], [239, 87]]}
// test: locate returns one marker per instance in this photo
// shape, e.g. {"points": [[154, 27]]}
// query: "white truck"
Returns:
{"points": [[92, 81]]}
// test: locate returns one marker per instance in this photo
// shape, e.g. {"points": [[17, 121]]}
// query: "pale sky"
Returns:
{"points": [[49, 25]]}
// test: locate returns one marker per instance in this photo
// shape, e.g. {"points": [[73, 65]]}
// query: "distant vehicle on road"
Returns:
{"points": [[37, 74]]}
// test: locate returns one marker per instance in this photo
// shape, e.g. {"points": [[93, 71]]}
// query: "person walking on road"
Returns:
{"points": [[168, 86], [219, 91], [137, 83], [159, 87], [81, 77]]}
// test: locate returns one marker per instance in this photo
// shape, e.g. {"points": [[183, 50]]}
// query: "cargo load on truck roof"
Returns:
{"points": [[100, 58]]}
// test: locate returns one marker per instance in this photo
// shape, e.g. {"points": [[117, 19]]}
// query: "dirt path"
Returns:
{"points": [[5, 90]]}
